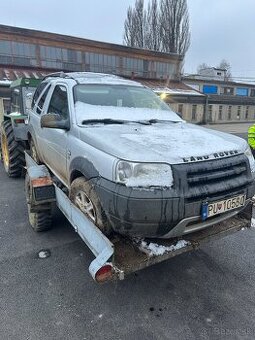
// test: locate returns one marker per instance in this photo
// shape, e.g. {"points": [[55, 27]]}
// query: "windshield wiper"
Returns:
{"points": [[114, 121], [154, 121], [103, 121]]}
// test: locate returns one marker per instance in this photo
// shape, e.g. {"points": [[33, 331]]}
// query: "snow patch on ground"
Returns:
{"points": [[253, 223], [154, 249]]}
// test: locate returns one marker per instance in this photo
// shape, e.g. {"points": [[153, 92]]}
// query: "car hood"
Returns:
{"points": [[169, 142]]}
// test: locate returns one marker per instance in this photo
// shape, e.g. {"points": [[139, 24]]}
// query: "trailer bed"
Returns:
{"points": [[129, 256]]}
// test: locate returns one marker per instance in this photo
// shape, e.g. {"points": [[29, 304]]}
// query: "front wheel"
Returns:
{"points": [[84, 196]]}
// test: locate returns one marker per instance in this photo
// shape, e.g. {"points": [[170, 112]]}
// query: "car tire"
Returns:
{"points": [[84, 196], [12, 152], [39, 220]]}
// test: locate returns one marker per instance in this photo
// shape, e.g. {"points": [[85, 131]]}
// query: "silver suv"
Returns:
{"points": [[130, 163]]}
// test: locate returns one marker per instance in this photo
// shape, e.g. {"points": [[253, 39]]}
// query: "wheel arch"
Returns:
{"points": [[82, 167]]}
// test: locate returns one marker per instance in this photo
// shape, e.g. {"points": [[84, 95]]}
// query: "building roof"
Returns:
{"points": [[199, 78], [10, 74], [176, 88]]}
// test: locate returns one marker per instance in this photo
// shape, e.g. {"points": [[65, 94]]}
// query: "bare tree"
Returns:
{"points": [[175, 33], [225, 65], [152, 27], [134, 25], [163, 26]]}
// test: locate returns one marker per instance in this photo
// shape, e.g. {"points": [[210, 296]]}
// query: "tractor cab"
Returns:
{"points": [[14, 129], [22, 91]]}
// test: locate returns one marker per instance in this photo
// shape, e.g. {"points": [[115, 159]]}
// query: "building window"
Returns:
{"points": [[180, 109], [210, 89], [229, 112], [220, 112], [194, 112], [218, 73], [228, 91], [240, 91], [247, 112], [252, 92]]}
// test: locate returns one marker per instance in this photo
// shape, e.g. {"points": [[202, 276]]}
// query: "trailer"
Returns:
{"points": [[116, 256]]}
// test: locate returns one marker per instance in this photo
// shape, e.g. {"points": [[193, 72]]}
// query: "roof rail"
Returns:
{"points": [[60, 74]]}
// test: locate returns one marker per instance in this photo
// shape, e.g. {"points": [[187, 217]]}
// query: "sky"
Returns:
{"points": [[219, 28]]}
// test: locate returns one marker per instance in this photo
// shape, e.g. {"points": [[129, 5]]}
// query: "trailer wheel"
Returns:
{"points": [[40, 220], [83, 195], [12, 152]]}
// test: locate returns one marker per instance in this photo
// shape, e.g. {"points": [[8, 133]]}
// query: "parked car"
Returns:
{"points": [[130, 163]]}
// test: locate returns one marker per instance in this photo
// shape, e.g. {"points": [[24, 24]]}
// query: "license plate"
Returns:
{"points": [[216, 208]]}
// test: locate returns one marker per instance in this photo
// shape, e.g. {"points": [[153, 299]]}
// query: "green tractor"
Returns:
{"points": [[14, 126]]}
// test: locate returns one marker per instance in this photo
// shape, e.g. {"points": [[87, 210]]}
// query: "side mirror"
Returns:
{"points": [[54, 121]]}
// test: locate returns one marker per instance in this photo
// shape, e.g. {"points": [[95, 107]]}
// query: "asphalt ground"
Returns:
{"points": [[206, 294]]}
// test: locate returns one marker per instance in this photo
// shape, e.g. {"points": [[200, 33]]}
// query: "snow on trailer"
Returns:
{"points": [[117, 256]]}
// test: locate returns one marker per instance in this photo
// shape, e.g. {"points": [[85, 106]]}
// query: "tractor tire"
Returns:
{"points": [[40, 220], [84, 196], [12, 152]]}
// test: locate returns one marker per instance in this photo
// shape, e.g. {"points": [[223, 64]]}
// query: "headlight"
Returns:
{"points": [[144, 174], [250, 157]]}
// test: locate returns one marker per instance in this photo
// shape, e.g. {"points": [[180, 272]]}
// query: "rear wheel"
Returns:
{"points": [[39, 220], [12, 152], [33, 152], [84, 196]]}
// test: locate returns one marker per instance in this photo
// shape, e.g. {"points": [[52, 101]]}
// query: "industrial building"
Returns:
{"points": [[226, 100], [206, 97], [31, 53]]}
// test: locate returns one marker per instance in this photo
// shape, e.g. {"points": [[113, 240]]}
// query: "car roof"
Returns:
{"points": [[94, 78]]}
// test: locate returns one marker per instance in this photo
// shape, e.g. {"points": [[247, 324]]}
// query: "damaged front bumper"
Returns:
{"points": [[159, 213]]}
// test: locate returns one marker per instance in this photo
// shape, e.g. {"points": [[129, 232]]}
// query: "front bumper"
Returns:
{"points": [[159, 212]]}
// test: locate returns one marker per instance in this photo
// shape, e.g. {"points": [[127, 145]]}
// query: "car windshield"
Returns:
{"points": [[127, 103]]}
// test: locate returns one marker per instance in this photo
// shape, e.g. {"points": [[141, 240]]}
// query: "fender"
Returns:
{"points": [[83, 166]]}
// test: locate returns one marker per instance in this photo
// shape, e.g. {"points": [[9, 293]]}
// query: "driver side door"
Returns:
{"points": [[53, 139]]}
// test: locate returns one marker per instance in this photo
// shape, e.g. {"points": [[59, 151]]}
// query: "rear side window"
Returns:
{"points": [[41, 101], [38, 91]]}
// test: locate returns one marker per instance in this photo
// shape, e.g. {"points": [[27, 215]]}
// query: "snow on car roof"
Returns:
{"points": [[101, 78]]}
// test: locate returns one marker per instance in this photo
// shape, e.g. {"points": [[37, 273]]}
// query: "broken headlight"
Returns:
{"points": [[144, 174]]}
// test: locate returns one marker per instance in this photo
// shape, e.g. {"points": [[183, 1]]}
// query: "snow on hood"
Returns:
{"points": [[166, 142], [87, 111]]}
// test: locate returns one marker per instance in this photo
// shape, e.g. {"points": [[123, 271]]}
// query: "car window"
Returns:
{"points": [[41, 101], [38, 92], [118, 96], [59, 102]]}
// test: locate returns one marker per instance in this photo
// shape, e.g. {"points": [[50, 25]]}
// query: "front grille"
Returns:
{"points": [[212, 178]]}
